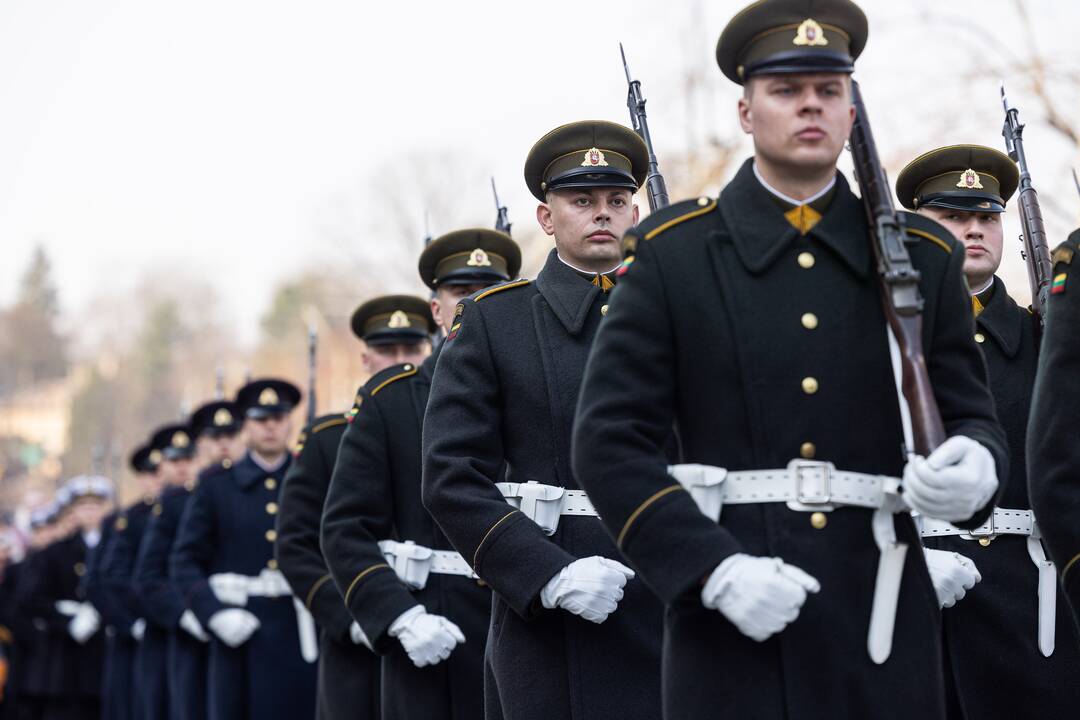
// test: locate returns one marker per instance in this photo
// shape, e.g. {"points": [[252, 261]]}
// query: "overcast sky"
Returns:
{"points": [[138, 135]]}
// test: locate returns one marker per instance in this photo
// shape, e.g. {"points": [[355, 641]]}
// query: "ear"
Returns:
{"points": [[746, 117], [543, 216], [636, 213], [365, 360], [436, 313]]}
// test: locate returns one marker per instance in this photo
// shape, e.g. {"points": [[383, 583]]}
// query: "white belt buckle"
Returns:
{"points": [[541, 503], [411, 562], [813, 484]]}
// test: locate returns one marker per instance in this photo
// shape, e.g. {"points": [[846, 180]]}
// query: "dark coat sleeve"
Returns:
{"points": [[624, 419], [299, 555], [359, 512], [958, 375], [151, 575], [107, 595], [38, 590], [189, 562], [1053, 452], [463, 456]]}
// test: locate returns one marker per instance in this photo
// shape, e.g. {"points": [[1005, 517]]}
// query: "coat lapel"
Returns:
{"points": [[567, 294], [1001, 319]]}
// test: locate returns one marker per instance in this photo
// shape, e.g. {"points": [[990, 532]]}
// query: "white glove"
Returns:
{"points": [[590, 587], [358, 636], [428, 639], [759, 595], [85, 623], [189, 622], [952, 575], [953, 483], [138, 629], [234, 626]]}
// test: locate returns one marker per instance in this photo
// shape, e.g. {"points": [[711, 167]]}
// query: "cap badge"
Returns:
{"points": [[810, 34], [399, 319], [269, 396], [180, 440], [155, 456], [969, 180], [222, 417], [479, 258], [594, 157]]}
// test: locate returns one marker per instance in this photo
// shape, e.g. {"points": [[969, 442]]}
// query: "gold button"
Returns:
{"points": [[271, 508], [809, 321], [270, 483], [603, 309], [226, 463], [808, 450], [818, 520], [80, 569], [408, 367], [703, 201], [980, 338], [157, 509], [272, 564], [809, 385], [985, 541], [806, 260], [271, 535]]}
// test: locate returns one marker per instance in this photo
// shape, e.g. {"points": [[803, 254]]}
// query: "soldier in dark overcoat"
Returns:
{"points": [[782, 544], [573, 633], [263, 642], [1052, 456], [1010, 645], [374, 516]]}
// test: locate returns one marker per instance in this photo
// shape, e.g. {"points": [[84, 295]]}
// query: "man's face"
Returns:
{"points": [[982, 237], [87, 513], [177, 472], [150, 483], [215, 448], [379, 357], [268, 436], [798, 121], [446, 300], [588, 224]]}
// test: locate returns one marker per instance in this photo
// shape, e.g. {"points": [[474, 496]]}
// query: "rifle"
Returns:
{"points": [[427, 231], [1036, 251], [1076, 181], [502, 217], [635, 103], [313, 344], [900, 294], [219, 383]]}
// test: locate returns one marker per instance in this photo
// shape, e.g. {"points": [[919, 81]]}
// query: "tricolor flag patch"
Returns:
{"points": [[1058, 286], [625, 266], [453, 331]]}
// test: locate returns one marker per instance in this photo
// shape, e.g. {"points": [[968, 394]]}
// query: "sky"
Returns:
{"points": [[221, 137]]}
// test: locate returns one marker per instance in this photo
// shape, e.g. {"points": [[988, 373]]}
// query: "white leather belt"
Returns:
{"points": [[804, 485], [545, 504], [413, 563], [1004, 521], [235, 589], [811, 485]]}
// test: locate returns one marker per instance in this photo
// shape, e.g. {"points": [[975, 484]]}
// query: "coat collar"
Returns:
{"points": [[247, 472], [761, 233], [568, 294], [1002, 319]]}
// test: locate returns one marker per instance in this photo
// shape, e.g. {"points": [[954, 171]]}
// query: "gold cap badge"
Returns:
{"points": [[222, 417], [155, 456], [810, 34], [268, 396], [479, 258], [594, 157], [180, 439], [969, 180], [398, 319]]}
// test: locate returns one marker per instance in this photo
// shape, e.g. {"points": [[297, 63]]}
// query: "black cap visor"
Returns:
{"points": [[262, 412], [801, 62], [593, 177], [964, 201]]}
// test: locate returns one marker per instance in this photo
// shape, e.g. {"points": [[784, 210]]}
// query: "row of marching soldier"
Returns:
{"points": [[762, 455]]}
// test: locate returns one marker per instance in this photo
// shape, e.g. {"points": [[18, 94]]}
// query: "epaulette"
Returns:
{"points": [[522, 282], [937, 241], [664, 219], [324, 421], [386, 377], [1063, 253]]}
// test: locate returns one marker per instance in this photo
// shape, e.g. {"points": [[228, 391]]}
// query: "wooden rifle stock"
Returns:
{"points": [[901, 300]]}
